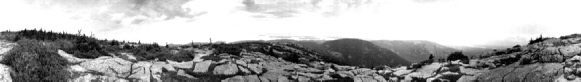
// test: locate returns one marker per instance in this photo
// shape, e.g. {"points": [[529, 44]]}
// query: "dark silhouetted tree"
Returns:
{"points": [[458, 56]]}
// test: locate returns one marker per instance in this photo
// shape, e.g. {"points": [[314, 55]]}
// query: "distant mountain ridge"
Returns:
{"points": [[364, 53], [355, 52], [415, 50], [410, 50]]}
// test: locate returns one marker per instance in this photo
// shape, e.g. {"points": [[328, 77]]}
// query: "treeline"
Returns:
{"points": [[83, 46], [289, 52], [36, 58]]}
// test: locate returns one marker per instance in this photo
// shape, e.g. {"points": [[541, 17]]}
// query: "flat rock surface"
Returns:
{"points": [[202, 66], [183, 65], [5, 73], [109, 66], [70, 57], [226, 69]]}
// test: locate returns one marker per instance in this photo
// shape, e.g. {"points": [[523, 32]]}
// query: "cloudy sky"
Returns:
{"points": [[449, 22]]}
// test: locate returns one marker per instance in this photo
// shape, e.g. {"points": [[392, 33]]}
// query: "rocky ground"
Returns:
{"points": [[246, 67], [550, 60], [553, 59], [5, 70]]}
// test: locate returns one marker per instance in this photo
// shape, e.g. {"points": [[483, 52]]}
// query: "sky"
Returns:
{"points": [[448, 22]]}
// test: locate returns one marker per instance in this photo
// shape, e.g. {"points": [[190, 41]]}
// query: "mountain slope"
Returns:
{"points": [[542, 60], [350, 52], [415, 50], [316, 45], [364, 53]]}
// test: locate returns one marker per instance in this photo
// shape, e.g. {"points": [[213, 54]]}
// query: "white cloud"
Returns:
{"points": [[449, 22]]}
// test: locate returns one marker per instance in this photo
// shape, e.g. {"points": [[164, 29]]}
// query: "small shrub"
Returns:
{"points": [[33, 61], [570, 36], [180, 56], [458, 56]]}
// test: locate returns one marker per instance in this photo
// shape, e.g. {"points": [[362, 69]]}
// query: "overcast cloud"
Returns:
{"points": [[449, 22]]}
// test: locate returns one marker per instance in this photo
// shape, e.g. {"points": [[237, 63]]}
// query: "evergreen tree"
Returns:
{"points": [[458, 56]]}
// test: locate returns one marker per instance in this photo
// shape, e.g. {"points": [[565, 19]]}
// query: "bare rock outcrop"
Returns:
{"points": [[141, 71], [183, 65], [109, 66], [71, 58], [5, 73], [202, 67], [226, 69]]}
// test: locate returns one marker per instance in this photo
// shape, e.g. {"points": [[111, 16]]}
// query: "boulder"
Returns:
{"points": [[545, 73], [472, 71], [263, 79], [283, 79], [183, 73], [70, 58], [240, 62], [570, 77], [169, 67], [309, 70], [379, 78], [156, 70], [518, 74], [234, 79], [467, 78], [540, 72], [255, 68], [495, 75], [574, 58], [202, 67], [141, 71], [109, 66], [324, 77], [201, 53], [428, 70], [345, 74], [86, 77], [363, 71], [401, 72], [364, 79], [78, 68], [342, 68], [226, 69], [303, 79], [273, 75], [563, 78], [550, 50], [251, 78], [309, 75], [128, 56], [570, 50], [5, 73], [244, 70], [183, 65], [552, 58]]}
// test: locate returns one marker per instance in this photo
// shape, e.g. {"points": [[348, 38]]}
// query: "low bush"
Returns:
{"points": [[35, 61], [458, 56], [183, 55]]}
